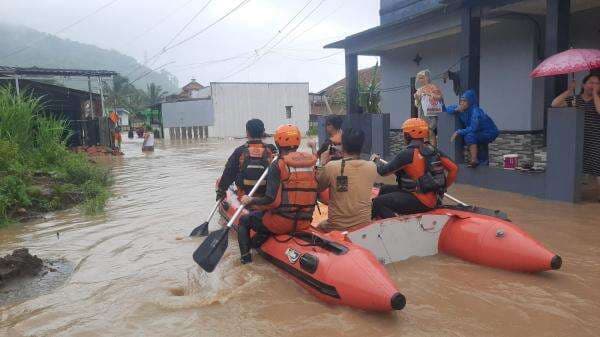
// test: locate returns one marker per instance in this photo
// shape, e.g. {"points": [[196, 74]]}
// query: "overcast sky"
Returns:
{"points": [[141, 28]]}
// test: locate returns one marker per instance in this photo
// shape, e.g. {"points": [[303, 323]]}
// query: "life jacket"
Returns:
{"points": [[335, 148], [431, 176], [297, 196], [254, 160]]}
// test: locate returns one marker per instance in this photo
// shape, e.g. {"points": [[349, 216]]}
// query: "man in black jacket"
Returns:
{"points": [[247, 162]]}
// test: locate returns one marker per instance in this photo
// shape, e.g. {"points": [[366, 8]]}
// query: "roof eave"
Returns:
{"points": [[336, 45]]}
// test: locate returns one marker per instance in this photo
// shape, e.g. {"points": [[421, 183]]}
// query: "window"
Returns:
{"points": [[288, 111]]}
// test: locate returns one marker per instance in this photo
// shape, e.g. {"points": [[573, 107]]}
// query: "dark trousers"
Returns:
{"points": [[392, 200], [252, 221]]}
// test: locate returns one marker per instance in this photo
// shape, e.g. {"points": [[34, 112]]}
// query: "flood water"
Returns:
{"points": [[133, 273]]}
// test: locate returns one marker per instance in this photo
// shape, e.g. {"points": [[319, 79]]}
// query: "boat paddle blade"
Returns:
{"points": [[210, 252], [201, 230]]}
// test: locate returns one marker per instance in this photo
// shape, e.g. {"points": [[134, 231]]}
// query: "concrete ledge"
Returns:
{"points": [[529, 183]]}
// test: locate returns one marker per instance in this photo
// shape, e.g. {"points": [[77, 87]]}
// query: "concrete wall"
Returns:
{"points": [[507, 58], [235, 103], [187, 113]]}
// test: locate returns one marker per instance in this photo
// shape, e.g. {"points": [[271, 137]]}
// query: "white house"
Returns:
{"points": [[274, 103]]}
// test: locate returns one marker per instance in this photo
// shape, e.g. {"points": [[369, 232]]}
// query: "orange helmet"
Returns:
{"points": [[416, 128], [288, 135]]}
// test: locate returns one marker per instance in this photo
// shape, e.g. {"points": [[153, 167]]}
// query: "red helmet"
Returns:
{"points": [[288, 135], [416, 128]]}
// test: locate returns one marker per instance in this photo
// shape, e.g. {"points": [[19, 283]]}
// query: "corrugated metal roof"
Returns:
{"points": [[35, 71]]}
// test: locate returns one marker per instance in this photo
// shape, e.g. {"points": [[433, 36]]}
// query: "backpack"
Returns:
{"points": [[254, 160], [434, 178]]}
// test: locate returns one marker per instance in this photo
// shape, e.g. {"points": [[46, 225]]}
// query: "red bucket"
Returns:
{"points": [[511, 161]]}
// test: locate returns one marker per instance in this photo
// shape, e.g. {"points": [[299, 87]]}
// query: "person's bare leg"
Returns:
{"points": [[473, 152], [433, 138]]}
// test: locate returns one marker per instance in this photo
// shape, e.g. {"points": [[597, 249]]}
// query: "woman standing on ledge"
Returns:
{"points": [[588, 100]]}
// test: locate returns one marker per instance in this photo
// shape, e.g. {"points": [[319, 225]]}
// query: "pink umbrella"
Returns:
{"points": [[568, 61]]}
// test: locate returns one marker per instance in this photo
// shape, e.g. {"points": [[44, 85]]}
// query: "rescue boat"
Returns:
{"points": [[476, 235], [329, 266]]}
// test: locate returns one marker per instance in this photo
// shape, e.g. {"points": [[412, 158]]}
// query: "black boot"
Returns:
{"points": [[244, 242], [259, 239]]}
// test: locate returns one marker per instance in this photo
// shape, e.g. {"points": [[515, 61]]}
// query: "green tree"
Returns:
{"points": [[154, 93], [119, 92], [369, 93]]}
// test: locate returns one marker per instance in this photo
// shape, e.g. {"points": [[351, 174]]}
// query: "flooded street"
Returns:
{"points": [[133, 275]]}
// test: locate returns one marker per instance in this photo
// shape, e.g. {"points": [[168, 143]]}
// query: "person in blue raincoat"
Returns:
{"points": [[479, 128]]}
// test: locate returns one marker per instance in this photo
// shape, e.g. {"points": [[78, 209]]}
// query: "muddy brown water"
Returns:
{"points": [[131, 276]]}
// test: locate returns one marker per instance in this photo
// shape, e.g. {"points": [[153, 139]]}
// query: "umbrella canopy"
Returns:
{"points": [[568, 61]]}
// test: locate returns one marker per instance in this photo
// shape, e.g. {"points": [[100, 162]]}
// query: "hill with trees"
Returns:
{"points": [[50, 51]]}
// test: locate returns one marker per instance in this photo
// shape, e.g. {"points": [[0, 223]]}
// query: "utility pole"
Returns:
{"points": [[101, 96], [90, 91]]}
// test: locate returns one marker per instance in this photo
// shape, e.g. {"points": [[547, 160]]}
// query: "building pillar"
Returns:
{"points": [[557, 40], [414, 111], [177, 133], [470, 46], [565, 154], [351, 84]]}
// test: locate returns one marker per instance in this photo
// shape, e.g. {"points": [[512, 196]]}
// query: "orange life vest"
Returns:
{"points": [[297, 195], [425, 177]]}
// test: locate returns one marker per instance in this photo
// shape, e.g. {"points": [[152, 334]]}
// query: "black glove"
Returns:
{"points": [[221, 195]]}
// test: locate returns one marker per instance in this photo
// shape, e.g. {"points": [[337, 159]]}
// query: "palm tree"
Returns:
{"points": [[119, 92], [154, 93]]}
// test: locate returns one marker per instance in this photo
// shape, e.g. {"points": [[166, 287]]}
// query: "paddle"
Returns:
{"points": [[445, 194], [212, 249], [202, 230]]}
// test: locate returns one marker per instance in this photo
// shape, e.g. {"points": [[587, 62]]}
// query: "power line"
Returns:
{"points": [[240, 5], [309, 59], [436, 77], [285, 26], [299, 23], [188, 23], [318, 22], [163, 49], [167, 48], [259, 57], [58, 31], [160, 22], [150, 71]]}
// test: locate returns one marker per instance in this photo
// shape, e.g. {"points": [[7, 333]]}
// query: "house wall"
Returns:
{"points": [[187, 113], [235, 103], [507, 57]]}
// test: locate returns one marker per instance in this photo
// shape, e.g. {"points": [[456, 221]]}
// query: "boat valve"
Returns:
{"points": [[499, 233]]}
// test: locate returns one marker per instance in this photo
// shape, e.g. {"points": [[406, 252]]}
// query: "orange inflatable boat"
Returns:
{"points": [[463, 232], [329, 266]]}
